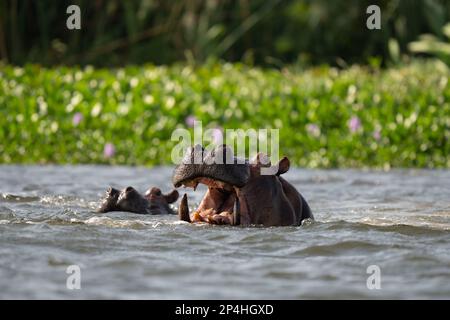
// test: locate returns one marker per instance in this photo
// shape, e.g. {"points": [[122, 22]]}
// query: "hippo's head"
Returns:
{"points": [[153, 202], [237, 191], [159, 202]]}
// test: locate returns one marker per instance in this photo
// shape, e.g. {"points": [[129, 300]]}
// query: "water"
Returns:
{"points": [[399, 221]]}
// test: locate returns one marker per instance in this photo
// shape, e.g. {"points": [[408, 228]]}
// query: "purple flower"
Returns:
{"points": [[377, 134], [354, 124], [190, 121], [217, 136], [109, 150], [77, 117], [313, 129]]}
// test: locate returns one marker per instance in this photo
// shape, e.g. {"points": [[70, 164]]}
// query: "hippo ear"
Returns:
{"points": [[172, 196], [283, 166]]}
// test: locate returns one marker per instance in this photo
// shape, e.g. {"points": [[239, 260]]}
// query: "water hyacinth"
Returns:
{"points": [[246, 98], [109, 150], [354, 124], [77, 118], [190, 121], [376, 134], [217, 136], [313, 129]]}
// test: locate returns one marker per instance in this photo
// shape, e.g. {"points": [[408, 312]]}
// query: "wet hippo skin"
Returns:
{"points": [[238, 194], [128, 199]]}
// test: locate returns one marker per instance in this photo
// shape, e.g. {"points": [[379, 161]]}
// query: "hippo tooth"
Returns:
{"points": [[183, 210], [236, 212]]}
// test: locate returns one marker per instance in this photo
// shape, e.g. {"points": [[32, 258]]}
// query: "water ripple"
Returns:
{"points": [[398, 220]]}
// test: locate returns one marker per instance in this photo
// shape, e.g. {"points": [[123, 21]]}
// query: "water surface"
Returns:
{"points": [[397, 220]]}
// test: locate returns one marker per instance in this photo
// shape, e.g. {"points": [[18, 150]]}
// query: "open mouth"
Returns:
{"points": [[220, 204], [223, 174]]}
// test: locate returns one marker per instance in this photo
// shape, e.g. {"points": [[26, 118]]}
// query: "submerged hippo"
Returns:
{"points": [[152, 202], [237, 192]]}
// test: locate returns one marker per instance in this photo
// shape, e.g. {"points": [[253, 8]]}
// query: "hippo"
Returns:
{"points": [[238, 194], [152, 202]]}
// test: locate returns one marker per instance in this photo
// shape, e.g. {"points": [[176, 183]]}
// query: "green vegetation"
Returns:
{"points": [[430, 44], [262, 32], [360, 116]]}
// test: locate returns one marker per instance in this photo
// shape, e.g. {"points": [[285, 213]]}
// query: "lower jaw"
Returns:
{"points": [[224, 214], [212, 216]]}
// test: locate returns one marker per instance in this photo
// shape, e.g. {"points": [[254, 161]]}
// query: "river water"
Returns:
{"points": [[397, 221]]}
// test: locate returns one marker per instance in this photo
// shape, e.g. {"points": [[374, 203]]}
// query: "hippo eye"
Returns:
{"points": [[158, 192], [128, 189]]}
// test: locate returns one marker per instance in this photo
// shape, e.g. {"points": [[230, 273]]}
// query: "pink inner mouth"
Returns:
{"points": [[218, 203]]}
